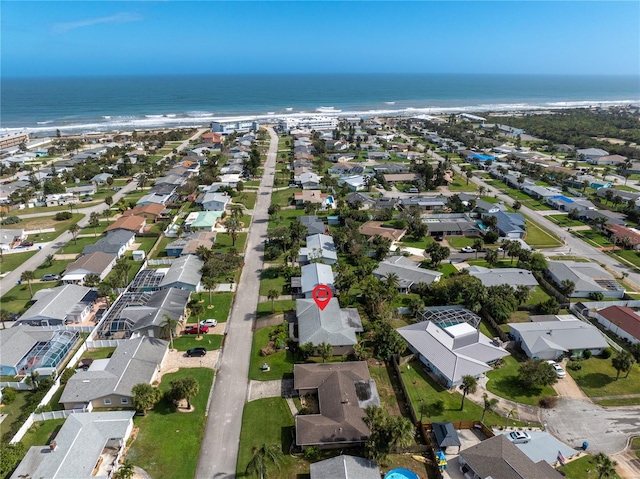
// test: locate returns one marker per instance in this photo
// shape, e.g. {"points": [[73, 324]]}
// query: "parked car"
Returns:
{"points": [[467, 249], [86, 199], [561, 373], [196, 352], [210, 323], [51, 277], [438, 237], [292, 185], [519, 437], [26, 243], [195, 330]]}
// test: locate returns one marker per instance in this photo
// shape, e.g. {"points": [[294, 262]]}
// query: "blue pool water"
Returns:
{"points": [[481, 225], [401, 474], [563, 198], [330, 199]]}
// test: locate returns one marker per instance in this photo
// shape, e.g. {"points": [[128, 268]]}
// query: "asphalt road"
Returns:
{"points": [[219, 451]]}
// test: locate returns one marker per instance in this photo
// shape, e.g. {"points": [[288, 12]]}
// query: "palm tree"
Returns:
{"points": [[489, 404], [604, 465], [49, 259], [236, 210], [477, 245], [125, 471], [325, 350], [273, 294], [169, 326], [203, 252], [74, 229], [392, 281], [28, 276], [4, 316], [491, 257], [232, 225], [263, 457], [209, 284], [469, 386]]}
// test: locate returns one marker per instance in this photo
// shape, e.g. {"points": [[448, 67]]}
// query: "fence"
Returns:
{"points": [[155, 262], [20, 386], [63, 327], [551, 290], [504, 337], [41, 416], [396, 368], [104, 343]]}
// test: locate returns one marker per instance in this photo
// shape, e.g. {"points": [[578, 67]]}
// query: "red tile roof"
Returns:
{"points": [[625, 318], [621, 232]]}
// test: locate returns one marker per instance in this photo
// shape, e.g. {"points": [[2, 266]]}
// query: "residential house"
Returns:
{"points": [[312, 196], [312, 275], [154, 197], [452, 352], [483, 207], [591, 154], [510, 225], [115, 243], [58, 306], [401, 177], [624, 236], [87, 445], [190, 244], [587, 278], [152, 212], [332, 325], [319, 248], [408, 273], [82, 190], [451, 225], [564, 203], [202, 220], [354, 183], [361, 201], [424, 203], [610, 217], [497, 457], [378, 155], [625, 196], [212, 138], [551, 339], [214, 201], [108, 382], [514, 277], [308, 180], [10, 238], [343, 391], [345, 467], [346, 168], [314, 225], [135, 224], [385, 204], [410, 155], [97, 263], [27, 349], [373, 228], [184, 273], [622, 321]]}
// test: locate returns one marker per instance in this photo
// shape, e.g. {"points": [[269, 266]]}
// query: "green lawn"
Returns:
{"points": [[77, 246], [583, 468], [274, 427], [272, 278], [12, 261], [411, 243], [13, 410], [540, 238], [17, 299], [221, 305], [224, 242], [458, 242], [446, 269], [460, 184], [598, 378], [42, 433], [285, 218], [247, 198], [283, 197], [56, 267], [424, 393], [280, 363], [538, 295], [505, 382], [48, 222], [631, 256], [168, 442], [564, 220], [188, 341], [596, 238], [264, 309]]}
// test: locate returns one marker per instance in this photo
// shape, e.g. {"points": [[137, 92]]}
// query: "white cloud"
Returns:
{"points": [[123, 17]]}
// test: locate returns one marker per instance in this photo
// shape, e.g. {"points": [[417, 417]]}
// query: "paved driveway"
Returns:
{"points": [[605, 429]]}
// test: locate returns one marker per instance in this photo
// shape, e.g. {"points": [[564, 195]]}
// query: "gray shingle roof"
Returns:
{"points": [[454, 355], [331, 325], [133, 362], [171, 302], [408, 272], [585, 276], [345, 467], [55, 303], [499, 458], [514, 277], [111, 243], [314, 274], [320, 245], [16, 342], [184, 270], [559, 335], [80, 443]]}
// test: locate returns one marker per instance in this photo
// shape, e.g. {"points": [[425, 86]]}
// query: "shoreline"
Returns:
{"points": [[181, 120]]}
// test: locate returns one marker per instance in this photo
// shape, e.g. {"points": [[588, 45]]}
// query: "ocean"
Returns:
{"points": [[96, 104]]}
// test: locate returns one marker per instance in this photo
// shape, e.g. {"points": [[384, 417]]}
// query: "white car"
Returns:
{"points": [[558, 369], [209, 322], [468, 249], [519, 437]]}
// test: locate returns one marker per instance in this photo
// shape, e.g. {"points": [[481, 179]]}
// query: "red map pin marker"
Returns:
{"points": [[322, 294]]}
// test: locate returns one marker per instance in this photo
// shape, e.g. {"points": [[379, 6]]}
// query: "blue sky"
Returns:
{"points": [[173, 37]]}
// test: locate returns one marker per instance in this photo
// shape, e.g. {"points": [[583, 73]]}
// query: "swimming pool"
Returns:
{"points": [[401, 474], [481, 225]]}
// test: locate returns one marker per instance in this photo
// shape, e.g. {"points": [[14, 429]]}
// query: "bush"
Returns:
{"points": [[11, 220], [491, 237], [548, 402], [312, 453], [63, 215], [606, 354], [596, 296], [586, 354], [9, 395], [272, 252], [574, 366]]}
